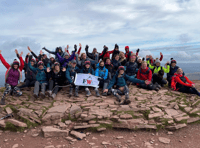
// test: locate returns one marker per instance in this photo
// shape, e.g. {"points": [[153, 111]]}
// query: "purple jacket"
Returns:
{"points": [[13, 77], [64, 61]]}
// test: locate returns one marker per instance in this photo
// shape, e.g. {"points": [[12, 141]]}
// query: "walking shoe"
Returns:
{"points": [[88, 93], [49, 93], [42, 95], [53, 96], [97, 93], [118, 98], [35, 96], [104, 94], [70, 92], [126, 96]]}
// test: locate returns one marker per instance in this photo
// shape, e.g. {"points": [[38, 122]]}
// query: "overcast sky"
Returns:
{"points": [[169, 26]]}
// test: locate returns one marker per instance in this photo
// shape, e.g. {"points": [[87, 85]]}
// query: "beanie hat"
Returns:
{"points": [[173, 61], [56, 63], [139, 58], [66, 54], [40, 63], [15, 62], [126, 47], [87, 62], [157, 61], [73, 61], [121, 68], [32, 60]]}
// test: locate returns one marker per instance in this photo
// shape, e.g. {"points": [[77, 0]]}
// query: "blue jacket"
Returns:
{"points": [[87, 71], [64, 61], [172, 71], [101, 72], [131, 68], [41, 75], [121, 81], [71, 73]]}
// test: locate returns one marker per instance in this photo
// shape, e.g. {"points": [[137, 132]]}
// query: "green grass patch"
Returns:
{"points": [[13, 128]]}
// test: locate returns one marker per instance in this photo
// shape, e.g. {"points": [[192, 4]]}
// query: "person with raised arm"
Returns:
{"points": [[12, 77], [58, 50]]}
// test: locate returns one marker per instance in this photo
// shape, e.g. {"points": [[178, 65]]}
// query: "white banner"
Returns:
{"points": [[82, 79]]}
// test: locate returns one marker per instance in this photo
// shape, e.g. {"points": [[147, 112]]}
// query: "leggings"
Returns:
{"points": [[54, 87], [11, 89], [28, 83], [149, 87], [118, 91], [190, 90]]}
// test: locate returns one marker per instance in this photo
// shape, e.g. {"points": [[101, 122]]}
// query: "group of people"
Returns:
{"points": [[116, 70]]}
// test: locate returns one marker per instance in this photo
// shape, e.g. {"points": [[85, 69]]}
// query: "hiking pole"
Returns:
{"points": [[8, 115]]}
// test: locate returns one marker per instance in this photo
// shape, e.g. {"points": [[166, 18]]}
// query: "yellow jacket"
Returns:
{"points": [[157, 69]]}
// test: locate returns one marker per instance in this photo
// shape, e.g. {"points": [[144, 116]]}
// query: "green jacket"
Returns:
{"points": [[157, 69]]}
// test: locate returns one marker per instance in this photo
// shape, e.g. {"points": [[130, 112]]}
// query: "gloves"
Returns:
{"points": [[75, 48], [143, 59], [86, 47], [116, 46], [105, 49], [137, 50], [44, 48]]}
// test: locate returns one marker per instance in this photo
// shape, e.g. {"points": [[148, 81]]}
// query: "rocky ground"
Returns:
{"points": [[101, 121]]}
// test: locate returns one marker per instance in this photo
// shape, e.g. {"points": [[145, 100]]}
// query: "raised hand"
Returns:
{"points": [[161, 53], [21, 54], [0, 51], [41, 52], [16, 51], [64, 69], [65, 50], [80, 45], [67, 47], [86, 47], [29, 49], [48, 69], [75, 47], [44, 48]]}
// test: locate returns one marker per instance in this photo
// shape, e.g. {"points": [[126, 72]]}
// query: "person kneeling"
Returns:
{"points": [[87, 70], [145, 73], [120, 79]]}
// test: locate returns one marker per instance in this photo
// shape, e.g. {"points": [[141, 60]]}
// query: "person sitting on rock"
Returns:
{"points": [[158, 79], [12, 77], [181, 83], [173, 69], [70, 75], [87, 69], [122, 59], [158, 67], [56, 78], [102, 73], [120, 79], [41, 78], [144, 73], [131, 66]]}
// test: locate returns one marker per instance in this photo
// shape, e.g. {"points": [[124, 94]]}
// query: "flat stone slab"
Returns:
{"points": [[78, 134], [59, 109], [50, 131], [16, 122], [164, 140], [86, 126]]}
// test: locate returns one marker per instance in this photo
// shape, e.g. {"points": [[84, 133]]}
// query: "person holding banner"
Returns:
{"points": [[120, 79], [102, 73], [70, 75], [87, 70]]}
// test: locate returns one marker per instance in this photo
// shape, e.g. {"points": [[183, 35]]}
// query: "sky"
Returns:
{"points": [[153, 26]]}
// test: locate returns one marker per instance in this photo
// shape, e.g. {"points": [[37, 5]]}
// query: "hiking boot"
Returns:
{"points": [[49, 93], [159, 86], [109, 92], [35, 96], [2, 101], [88, 93], [53, 96], [76, 92], [97, 93], [42, 95], [104, 94], [157, 89], [127, 102]]}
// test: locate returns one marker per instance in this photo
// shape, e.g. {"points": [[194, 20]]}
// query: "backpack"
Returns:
{"points": [[147, 72]]}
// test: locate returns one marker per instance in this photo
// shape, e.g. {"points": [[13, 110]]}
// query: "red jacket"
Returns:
{"points": [[107, 54], [176, 79], [8, 65], [142, 74]]}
